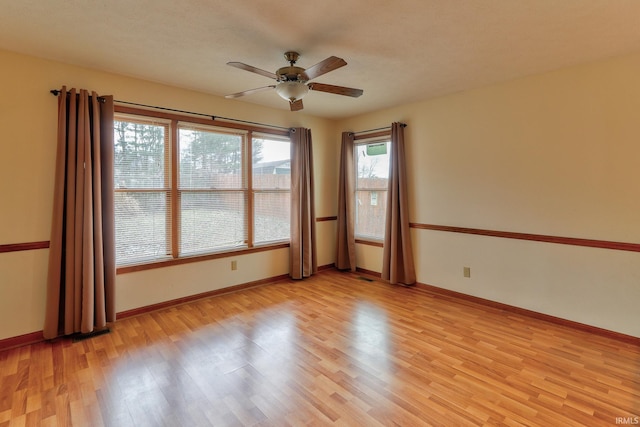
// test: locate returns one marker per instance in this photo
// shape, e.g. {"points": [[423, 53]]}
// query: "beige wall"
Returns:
{"points": [[28, 116], [550, 154], [555, 154]]}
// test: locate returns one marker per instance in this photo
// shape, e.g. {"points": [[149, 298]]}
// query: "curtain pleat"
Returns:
{"points": [[346, 244], [303, 262], [81, 277], [397, 258], [108, 209]]}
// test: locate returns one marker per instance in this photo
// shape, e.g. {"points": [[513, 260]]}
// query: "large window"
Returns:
{"points": [[185, 189], [372, 176]]}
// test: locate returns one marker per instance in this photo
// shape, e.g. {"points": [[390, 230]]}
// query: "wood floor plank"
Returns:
{"points": [[328, 350]]}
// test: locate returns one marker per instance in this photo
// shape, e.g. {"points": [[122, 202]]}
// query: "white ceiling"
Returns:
{"points": [[397, 51]]}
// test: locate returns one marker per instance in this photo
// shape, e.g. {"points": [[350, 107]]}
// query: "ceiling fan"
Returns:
{"points": [[292, 83]]}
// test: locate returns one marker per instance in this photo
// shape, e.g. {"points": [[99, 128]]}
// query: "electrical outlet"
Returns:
{"points": [[466, 271], [234, 265]]}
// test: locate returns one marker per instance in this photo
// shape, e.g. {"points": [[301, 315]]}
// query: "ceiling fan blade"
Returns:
{"points": [[323, 67], [296, 105], [338, 90], [253, 69], [249, 92]]}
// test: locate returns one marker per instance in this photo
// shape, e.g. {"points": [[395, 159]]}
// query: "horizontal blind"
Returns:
{"points": [[271, 181], [272, 216], [141, 226], [212, 220], [142, 196], [212, 189]]}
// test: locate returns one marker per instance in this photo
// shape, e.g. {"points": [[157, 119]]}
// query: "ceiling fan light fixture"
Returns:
{"points": [[291, 81], [292, 90]]}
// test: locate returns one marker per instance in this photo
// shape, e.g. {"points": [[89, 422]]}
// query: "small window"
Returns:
{"points": [[372, 175]]}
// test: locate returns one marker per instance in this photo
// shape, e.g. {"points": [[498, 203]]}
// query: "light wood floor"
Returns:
{"points": [[330, 350]]}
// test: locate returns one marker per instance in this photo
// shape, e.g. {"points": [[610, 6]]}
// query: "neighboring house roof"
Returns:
{"points": [[275, 166]]}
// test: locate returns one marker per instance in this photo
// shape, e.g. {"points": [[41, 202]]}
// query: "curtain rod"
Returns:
{"points": [[404, 125], [57, 92]]}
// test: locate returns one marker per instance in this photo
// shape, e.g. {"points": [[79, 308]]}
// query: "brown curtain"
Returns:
{"points": [[303, 262], [346, 244], [81, 279], [397, 258]]}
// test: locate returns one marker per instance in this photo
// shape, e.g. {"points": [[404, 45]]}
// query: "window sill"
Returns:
{"points": [[197, 258]]}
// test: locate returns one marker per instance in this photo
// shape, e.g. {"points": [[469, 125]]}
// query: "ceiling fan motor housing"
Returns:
{"points": [[291, 74]]}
